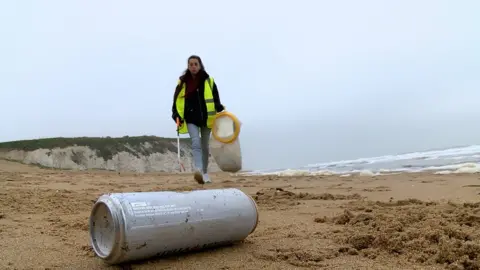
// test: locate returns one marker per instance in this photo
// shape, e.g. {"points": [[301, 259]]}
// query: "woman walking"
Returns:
{"points": [[195, 103]]}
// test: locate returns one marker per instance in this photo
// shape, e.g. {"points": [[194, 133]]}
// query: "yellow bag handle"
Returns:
{"points": [[236, 131]]}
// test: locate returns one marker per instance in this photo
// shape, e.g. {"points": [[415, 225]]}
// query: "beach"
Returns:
{"points": [[399, 221]]}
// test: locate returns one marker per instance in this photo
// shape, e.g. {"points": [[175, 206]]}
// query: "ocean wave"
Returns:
{"points": [[447, 161], [446, 169], [457, 152]]}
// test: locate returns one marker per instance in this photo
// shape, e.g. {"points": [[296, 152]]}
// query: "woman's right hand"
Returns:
{"points": [[179, 121], [175, 116]]}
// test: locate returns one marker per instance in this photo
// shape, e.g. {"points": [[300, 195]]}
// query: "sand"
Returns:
{"points": [[403, 221]]}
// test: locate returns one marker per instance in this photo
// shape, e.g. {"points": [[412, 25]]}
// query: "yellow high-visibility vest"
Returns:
{"points": [[208, 95]]}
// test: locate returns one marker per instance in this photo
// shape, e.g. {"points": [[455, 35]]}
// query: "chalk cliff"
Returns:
{"points": [[132, 154]]}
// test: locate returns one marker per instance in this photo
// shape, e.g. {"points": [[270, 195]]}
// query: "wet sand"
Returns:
{"points": [[403, 221]]}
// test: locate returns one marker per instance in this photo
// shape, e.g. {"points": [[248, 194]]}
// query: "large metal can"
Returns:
{"points": [[133, 226]]}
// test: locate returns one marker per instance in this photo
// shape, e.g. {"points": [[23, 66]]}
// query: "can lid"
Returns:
{"points": [[102, 230], [256, 212]]}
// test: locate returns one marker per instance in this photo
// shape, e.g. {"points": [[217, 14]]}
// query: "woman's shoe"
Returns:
{"points": [[197, 175], [206, 178]]}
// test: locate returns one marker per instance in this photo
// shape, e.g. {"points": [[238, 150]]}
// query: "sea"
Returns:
{"points": [[464, 159]]}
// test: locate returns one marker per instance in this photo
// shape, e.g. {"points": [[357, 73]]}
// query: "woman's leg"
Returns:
{"points": [[205, 147], [194, 132]]}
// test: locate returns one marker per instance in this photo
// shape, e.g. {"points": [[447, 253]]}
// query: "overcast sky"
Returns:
{"points": [[311, 81]]}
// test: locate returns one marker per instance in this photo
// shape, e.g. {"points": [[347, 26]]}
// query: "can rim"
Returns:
{"points": [[114, 252], [256, 212]]}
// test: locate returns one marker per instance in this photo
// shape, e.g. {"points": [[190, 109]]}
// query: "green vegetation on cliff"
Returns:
{"points": [[106, 147]]}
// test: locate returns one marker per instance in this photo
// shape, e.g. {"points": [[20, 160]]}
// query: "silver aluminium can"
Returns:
{"points": [[140, 225]]}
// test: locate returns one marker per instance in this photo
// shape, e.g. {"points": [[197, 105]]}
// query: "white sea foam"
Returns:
{"points": [[460, 168], [448, 161]]}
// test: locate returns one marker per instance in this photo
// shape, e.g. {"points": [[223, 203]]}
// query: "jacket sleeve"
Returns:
{"points": [[174, 107], [216, 98]]}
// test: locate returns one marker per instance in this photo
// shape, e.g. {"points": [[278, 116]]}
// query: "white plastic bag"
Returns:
{"points": [[225, 143]]}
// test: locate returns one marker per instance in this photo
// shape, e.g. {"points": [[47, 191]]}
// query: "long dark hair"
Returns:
{"points": [[202, 73]]}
